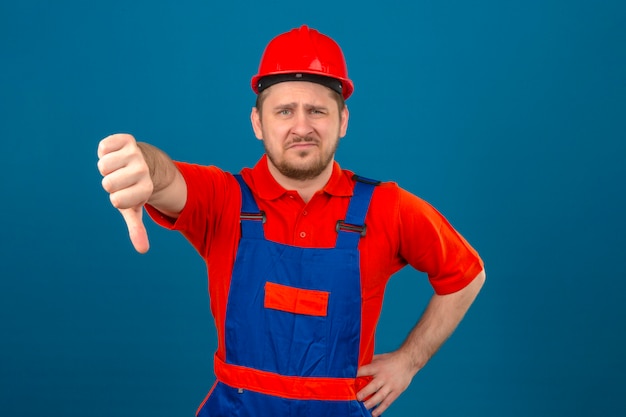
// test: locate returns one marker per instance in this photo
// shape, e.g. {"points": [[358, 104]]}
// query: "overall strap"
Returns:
{"points": [[350, 230], [251, 217]]}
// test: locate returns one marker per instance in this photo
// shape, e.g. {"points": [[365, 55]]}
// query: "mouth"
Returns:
{"points": [[302, 143]]}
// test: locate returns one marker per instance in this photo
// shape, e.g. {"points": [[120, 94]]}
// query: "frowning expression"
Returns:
{"points": [[300, 124]]}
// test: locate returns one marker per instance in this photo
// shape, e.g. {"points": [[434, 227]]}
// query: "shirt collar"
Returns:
{"points": [[267, 188]]}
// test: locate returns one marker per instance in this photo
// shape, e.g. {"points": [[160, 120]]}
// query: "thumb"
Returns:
{"points": [[136, 229]]}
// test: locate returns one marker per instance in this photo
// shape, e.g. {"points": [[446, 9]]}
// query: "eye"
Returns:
{"points": [[317, 112], [284, 112]]}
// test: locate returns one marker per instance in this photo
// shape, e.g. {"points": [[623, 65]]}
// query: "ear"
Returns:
{"points": [[343, 127], [255, 119]]}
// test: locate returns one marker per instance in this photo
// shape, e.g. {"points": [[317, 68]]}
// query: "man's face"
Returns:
{"points": [[300, 125]]}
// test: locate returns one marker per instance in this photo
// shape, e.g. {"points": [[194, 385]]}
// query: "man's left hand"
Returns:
{"points": [[391, 375]]}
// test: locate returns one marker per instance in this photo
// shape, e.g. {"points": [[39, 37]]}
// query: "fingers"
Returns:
{"points": [[390, 377], [371, 394], [126, 173], [110, 153], [114, 143], [377, 396], [128, 187], [127, 180], [132, 197], [136, 229], [367, 371], [380, 402], [118, 151]]}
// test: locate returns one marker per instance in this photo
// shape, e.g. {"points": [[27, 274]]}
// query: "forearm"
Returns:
{"points": [[170, 191], [439, 320]]}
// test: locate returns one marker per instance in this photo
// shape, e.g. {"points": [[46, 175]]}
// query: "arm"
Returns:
{"points": [[392, 372], [170, 190], [136, 174]]}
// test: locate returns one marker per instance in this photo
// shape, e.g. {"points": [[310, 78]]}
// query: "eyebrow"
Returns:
{"points": [[285, 106], [294, 105]]}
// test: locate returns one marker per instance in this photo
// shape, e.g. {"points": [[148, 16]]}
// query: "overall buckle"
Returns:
{"points": [[347, 227]]}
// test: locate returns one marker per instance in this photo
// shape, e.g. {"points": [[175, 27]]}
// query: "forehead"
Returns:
{"points": [[299, 92]]}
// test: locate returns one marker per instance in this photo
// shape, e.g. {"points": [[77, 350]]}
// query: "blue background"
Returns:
{"points": [[508, 116]]}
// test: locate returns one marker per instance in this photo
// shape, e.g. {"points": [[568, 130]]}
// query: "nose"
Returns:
{"points": [[301, 125]]}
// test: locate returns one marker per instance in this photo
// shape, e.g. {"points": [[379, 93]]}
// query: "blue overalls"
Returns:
{"points": [[293, 323]]}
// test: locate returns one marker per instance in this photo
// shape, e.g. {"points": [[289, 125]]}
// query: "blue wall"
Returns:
{"points": [[508, 116]]}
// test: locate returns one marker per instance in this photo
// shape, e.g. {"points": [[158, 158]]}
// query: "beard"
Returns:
{"points": [[303, 171]]}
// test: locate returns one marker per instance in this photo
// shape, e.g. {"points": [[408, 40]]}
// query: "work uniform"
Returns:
{"points": [[296, 319]]}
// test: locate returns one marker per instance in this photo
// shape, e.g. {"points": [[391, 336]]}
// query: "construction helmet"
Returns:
{"points": [[303, 54]]}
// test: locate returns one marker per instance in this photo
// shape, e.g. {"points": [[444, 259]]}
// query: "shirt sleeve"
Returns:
{"points": [[207, 189], [430, 244]]}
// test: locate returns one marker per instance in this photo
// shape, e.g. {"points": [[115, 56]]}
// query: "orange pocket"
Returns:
{"points": [[296, 300]]}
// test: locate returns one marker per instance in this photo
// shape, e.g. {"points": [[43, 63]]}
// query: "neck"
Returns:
{"points": [[305, 188]]}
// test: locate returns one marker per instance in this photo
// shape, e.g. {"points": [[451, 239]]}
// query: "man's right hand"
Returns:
{"points": [[128, 182]]}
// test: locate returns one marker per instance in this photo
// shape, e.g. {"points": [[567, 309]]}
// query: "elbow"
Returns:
{"points": [[481, 277], [477, 283]]}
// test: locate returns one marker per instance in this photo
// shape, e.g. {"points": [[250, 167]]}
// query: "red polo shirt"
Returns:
{"points": [[401, 229]]}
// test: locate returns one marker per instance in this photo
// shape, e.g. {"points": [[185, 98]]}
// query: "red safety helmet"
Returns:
{"points": [[307, 55]]}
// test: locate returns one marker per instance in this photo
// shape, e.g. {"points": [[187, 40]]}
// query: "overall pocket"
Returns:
{"points": [[296, 300], [298, 326]]}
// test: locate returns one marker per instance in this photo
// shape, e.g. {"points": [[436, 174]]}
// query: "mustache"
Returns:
{"points": [[301, 139]]}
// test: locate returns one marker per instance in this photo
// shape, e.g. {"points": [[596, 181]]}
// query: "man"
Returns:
{"points": [[299, 251]]}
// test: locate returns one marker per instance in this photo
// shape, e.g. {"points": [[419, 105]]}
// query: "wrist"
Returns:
{"points": [[413, 357]]}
